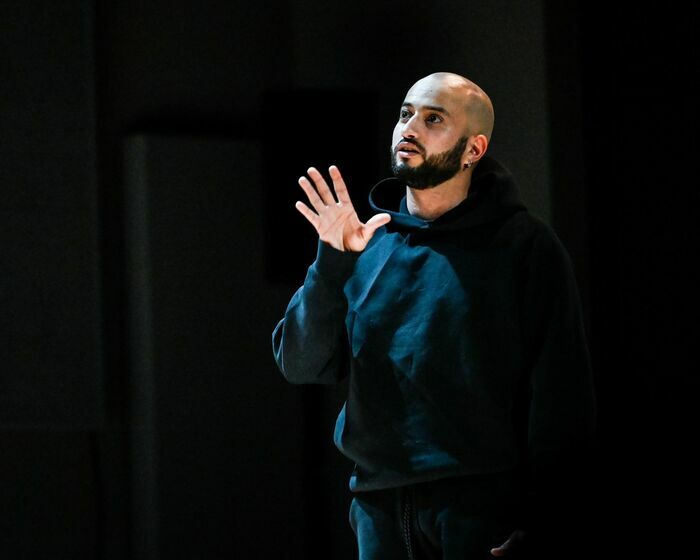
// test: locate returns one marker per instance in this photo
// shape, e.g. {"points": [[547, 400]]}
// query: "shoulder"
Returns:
{"points": [[539, 248], [535, 232], [522, 229]]}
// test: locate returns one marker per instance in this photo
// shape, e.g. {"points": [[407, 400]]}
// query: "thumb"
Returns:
{"points": [[501, 550], [513, 541], [375, 222]]}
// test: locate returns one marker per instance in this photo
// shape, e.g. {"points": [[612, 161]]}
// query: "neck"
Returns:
{"points": [[430, 204]]}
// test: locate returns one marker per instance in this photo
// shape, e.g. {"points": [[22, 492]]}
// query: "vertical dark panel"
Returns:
{"points": [[50, 347], [569, 199], [216, 430], [640, 150], [194, 66], [50, 328], [569, 210]]}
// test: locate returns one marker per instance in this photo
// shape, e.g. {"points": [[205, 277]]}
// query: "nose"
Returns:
{"points": [[409, 128]]}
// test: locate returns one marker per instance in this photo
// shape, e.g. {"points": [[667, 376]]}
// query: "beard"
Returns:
{"points": [[434, 170]]}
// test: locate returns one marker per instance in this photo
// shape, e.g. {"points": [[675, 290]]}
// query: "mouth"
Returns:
{"points": [[407, 150]]}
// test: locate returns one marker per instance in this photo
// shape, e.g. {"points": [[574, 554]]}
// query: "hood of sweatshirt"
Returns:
{"points": [[493, 195]]}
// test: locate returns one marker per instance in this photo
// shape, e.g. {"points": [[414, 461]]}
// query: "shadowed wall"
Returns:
{"points": [[149, 161]]}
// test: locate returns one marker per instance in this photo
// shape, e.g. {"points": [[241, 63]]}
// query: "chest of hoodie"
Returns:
{"points": [[435, 313]]}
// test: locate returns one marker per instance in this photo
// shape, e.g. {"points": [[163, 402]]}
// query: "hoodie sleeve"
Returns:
{"points": [[310, 343], [561, 412]]}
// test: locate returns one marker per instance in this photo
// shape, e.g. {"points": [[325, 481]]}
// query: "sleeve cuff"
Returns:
{"points": [[333, 263]]}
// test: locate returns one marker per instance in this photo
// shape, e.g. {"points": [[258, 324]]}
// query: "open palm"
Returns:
{"points": [[336, 221]]}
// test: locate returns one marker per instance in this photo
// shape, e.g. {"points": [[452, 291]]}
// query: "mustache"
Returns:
{"points": [[417, 144]]}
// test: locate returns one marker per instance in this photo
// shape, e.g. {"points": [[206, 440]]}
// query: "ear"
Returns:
{"points": [[475, 150]]}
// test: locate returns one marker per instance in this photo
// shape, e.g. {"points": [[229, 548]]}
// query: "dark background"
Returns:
{"points": [[148, 161]]}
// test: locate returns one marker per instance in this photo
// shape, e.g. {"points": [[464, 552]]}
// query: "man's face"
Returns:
{"points": [[430, 137]]}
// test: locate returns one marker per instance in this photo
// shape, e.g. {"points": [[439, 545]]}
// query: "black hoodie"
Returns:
{"points": [[462, 336]]}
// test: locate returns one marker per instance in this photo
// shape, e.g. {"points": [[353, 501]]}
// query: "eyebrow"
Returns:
{"points": [[435, 108]]}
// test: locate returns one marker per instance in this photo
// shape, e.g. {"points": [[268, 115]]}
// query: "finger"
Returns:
{"points": [[311, 194], [341, 189], [375, 222], [321, 186], [308, 214], [503, 549]]}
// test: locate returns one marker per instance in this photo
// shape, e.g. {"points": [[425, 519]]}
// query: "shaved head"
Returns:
{"points": [[444, 129], [470, 96]]}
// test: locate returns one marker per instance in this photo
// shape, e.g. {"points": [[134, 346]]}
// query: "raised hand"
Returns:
{"points": [[336, 221]]}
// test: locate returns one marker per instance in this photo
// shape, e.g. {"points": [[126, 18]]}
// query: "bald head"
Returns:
{"points": [[444, 129], [471, 97]]}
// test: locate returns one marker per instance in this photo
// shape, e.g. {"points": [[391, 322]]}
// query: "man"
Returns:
{"points": [[456, 315]]}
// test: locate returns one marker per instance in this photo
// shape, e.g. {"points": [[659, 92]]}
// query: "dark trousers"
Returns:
{"points": [[450, 519]]}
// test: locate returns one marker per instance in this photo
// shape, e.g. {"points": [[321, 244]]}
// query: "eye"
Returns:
{"points": [[433, 118], [404, 114]]}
